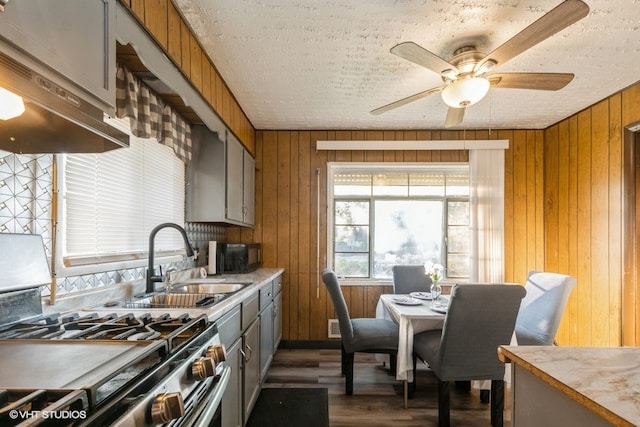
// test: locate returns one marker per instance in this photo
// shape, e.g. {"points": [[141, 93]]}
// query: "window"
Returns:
{"points": [[113, 200], [388, 214]]}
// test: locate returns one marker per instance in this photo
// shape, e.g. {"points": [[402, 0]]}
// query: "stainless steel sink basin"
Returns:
{"points": [[191, 294], [174, 300], [208, 288]]}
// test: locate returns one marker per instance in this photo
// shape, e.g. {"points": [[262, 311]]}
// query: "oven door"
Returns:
{"points": [[208, 413]]}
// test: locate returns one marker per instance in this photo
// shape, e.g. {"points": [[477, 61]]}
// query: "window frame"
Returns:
{"points": [[334, 167]]}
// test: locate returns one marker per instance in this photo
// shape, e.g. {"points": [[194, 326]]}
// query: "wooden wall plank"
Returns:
{"points": [[520, 208], [174, 43], [616, 223], [585, 295], [600, 221], [156, 20]]}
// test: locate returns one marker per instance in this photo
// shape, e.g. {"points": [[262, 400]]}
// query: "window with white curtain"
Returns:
{"points": [[112, 201]]}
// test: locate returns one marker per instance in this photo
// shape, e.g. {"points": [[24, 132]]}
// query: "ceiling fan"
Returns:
{"points": [[468, 74]]}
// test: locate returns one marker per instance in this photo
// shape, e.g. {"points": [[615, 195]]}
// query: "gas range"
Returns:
{"points": [[100, 368], [110, 369]]}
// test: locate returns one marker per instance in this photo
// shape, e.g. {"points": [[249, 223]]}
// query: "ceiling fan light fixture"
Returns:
{"points": [[11, 105], [465, 91]]}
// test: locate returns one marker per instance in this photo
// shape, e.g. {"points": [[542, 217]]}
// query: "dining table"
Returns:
{"points": [[413, 315]]}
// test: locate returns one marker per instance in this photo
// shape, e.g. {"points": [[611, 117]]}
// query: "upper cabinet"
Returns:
{"points": [[240, 183], [72, 38], [221, 180]]}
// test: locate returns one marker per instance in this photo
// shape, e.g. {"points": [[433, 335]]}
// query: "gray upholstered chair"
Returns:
{"points": [[541, 310], [480, 318], [410, 278], [367, 335]]}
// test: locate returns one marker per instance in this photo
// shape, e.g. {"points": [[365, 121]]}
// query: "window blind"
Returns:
{"points": [[113, 200]]}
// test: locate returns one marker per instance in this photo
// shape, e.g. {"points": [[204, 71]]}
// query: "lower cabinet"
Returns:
{"points": [[250, 351], [251, 333], [277, 320], [232, 408]]}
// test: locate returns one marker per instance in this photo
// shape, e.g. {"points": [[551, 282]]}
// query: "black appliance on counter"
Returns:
{"points": [[238, 258], [142, 368]]}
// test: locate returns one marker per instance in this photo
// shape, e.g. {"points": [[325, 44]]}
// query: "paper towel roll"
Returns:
{"points": [[211, 268]]}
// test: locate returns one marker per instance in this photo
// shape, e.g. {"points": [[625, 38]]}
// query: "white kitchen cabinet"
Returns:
{"points": [[221, 180], [72, 38]]}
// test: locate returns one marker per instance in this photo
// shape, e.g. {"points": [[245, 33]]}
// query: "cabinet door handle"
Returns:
{"points": [[249, 353], [244, 355]]}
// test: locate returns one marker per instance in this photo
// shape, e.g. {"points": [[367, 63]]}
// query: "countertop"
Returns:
{"points": [[95, 301], [606, 380]]}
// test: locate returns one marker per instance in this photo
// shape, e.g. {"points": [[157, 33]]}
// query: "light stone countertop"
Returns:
{"points": [[606, 380], [95, 301]]}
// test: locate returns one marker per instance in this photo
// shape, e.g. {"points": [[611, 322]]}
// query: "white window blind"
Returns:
{"points": [[113, 200]]}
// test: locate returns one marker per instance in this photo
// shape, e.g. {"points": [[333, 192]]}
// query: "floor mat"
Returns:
{"points": [[291, 407]]}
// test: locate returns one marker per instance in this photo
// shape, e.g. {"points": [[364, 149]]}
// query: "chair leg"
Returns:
{"points": [[443, 404], [413, 385], [484, 396], [463, 385], [349, 374], [393, 362], [497, 403], [343, 358]]}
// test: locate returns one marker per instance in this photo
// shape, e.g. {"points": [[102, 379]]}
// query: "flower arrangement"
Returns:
{"points": [[435, 272]]}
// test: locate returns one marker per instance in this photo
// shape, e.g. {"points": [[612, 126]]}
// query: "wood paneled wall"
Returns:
{"points": [[584, 159], [286, 212]]}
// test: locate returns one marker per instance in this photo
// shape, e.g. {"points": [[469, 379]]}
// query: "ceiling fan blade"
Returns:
{"points": [[454, 117], [406, 100], [421, 56], [554, 21], [537, 81]]}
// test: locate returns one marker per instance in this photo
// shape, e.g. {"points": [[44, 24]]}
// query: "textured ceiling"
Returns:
{"points": [[325, 64]]}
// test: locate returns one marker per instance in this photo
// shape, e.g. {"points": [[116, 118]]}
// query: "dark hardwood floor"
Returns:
{"points": [[377, 397]]}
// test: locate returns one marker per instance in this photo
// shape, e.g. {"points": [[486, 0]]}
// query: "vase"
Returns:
{"points": [[436, 291]]}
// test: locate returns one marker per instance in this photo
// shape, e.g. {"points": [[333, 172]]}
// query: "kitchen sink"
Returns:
{"points": [[191, 294], [208, 288], [173, 300]]}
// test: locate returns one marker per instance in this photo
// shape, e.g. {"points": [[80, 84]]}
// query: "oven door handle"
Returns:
{"points": [[215, 399]]}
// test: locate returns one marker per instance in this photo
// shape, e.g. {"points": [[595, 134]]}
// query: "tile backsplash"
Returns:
{"points": [[26, 186]]}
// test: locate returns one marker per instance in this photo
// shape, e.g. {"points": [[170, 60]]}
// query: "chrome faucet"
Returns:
{"points": [[151, 277]]}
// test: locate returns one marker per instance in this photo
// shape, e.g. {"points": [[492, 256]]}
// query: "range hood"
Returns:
{"points": [[55, 120]]}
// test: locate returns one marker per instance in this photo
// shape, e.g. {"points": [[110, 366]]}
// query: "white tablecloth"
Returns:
{"points": [[411, 320]]}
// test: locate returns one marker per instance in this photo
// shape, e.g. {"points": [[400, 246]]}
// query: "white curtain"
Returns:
{"points": [[486, 169]]}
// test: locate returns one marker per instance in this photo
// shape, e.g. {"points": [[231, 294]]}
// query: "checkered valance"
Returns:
{"points": [[149, 116]]}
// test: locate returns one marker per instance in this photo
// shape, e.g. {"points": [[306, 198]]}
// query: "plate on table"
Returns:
{"points": [[421, 295], [406, 301], [441, 309]]}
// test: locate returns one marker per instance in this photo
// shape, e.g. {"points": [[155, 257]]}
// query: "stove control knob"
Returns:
{"points": [[203, 367], [217, 352], [167, 407]]}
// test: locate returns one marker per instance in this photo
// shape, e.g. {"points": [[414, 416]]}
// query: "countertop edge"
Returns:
{"points": [[506, 355]]}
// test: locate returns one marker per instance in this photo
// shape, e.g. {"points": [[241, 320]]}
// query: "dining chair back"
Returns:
{"points": [[369, 335], [410, 278], [479, 319], [542, 308]]}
